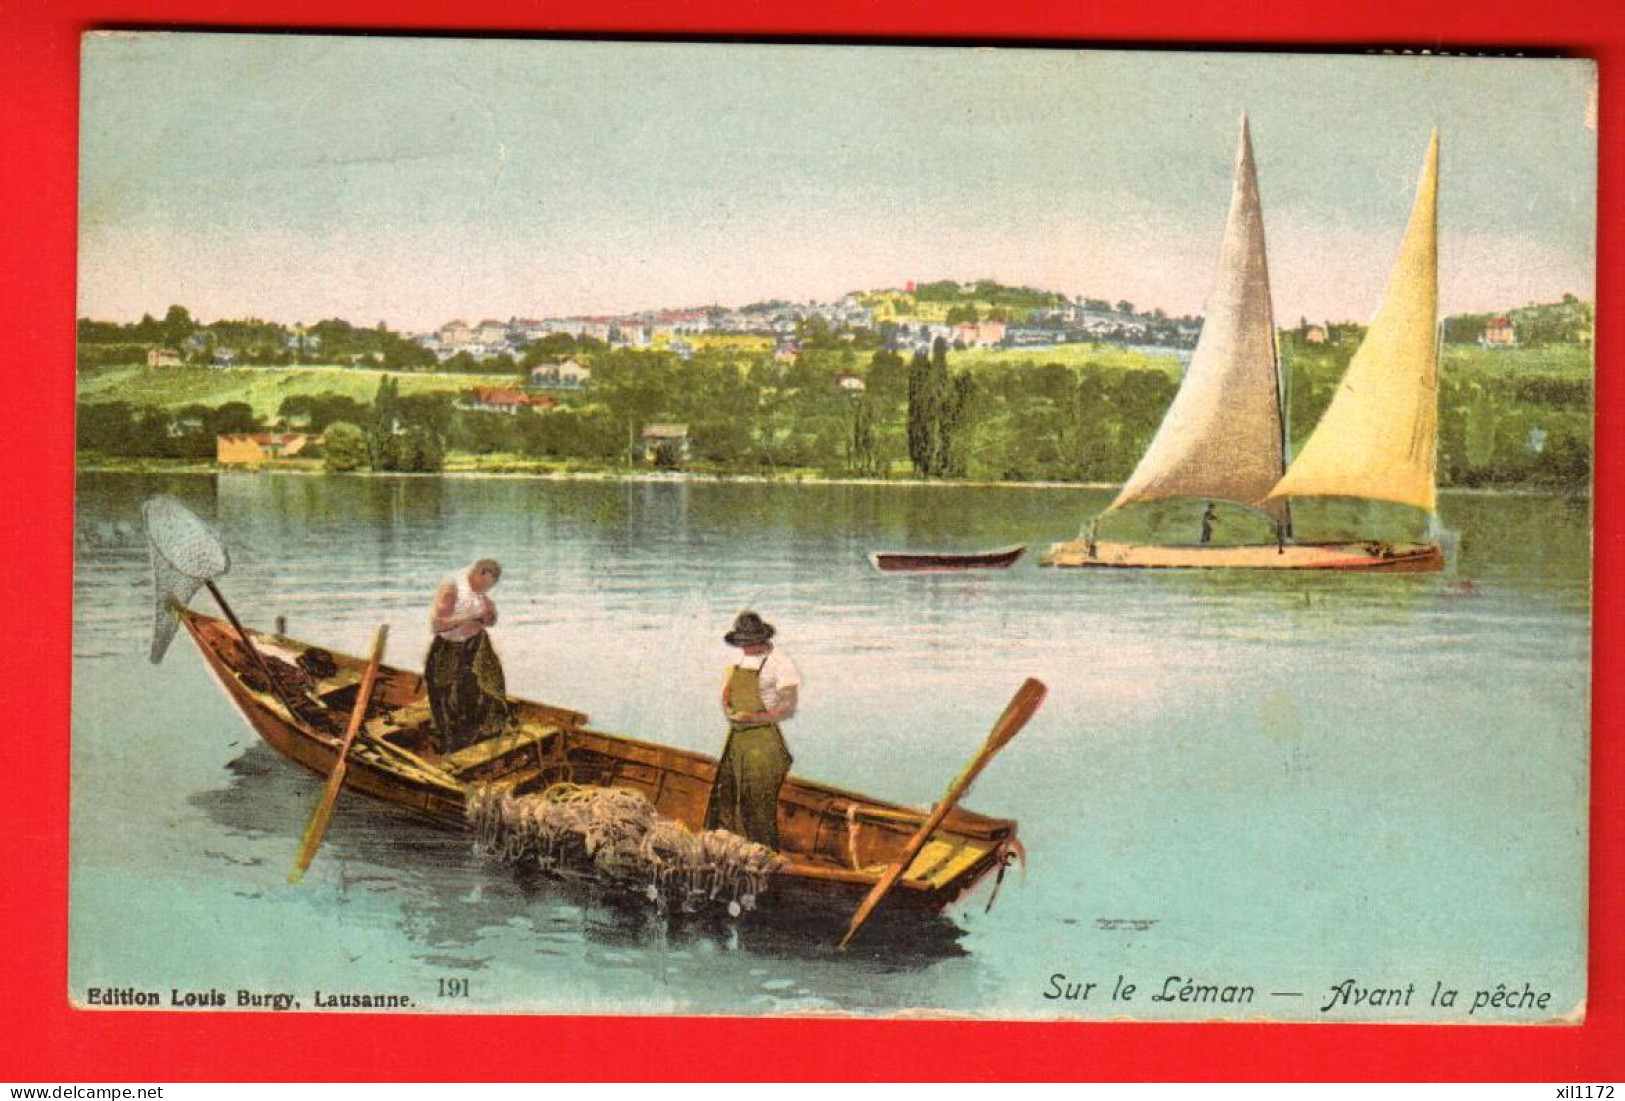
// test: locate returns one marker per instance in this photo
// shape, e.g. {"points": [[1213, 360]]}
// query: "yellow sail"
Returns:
{"points": [[1377, 439], [1221, 437]]}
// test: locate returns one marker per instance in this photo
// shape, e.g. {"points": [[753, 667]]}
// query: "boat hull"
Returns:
{"points": [[836, 842], [921, 562], [1337, 557]]}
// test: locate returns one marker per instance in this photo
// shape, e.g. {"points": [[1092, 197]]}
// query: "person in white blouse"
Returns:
{"points": [[762, 690], [467, 691]]}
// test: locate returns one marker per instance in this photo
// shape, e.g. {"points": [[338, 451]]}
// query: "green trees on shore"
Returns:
{"points": [[1519, 417], [938, 405], [862, 450], [314, 412], [344, 447], [407, 434]]}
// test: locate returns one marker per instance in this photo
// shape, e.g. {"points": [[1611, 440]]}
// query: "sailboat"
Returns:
{"points": [[1225, 435]]}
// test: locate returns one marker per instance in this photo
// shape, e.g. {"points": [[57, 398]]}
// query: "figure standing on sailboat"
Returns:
{"points": [[1225, 436]]}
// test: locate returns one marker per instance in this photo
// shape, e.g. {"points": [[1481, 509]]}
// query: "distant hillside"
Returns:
{"points": [[263, 390], [1562, 329], [1570, 321], [979, 314], [1031, 312]]}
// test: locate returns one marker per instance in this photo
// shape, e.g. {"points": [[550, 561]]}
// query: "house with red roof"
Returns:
{"points": [[503, 399], [1498, 333]]}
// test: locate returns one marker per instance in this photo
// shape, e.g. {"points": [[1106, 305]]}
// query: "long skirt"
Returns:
{"points": [[468, 694], [745, 796]]}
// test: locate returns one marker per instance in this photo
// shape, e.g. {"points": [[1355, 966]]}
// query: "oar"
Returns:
{"points": [[335, 779], [1021, 708]]}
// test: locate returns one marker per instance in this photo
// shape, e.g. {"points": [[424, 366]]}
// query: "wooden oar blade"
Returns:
{"points": [[1021, 708], [1023, 705], [1016, 714], [316, 829]]}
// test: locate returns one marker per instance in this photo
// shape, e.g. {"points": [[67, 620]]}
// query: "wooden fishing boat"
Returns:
{"points": [[836, 843], [1224, 439], [1346, 557], [941, 562]]}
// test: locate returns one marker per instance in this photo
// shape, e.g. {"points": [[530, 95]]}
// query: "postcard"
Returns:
{"points": [[587, 527]]}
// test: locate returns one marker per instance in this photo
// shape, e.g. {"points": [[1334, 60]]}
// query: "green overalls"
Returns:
{"points": [[468, 694], [745, 796]]}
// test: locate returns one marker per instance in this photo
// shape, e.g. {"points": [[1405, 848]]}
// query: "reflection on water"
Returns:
{"points": [[452, 895], [1282, 777]]}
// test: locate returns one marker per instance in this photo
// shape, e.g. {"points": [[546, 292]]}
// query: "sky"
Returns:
{"points": [[413, 181]]}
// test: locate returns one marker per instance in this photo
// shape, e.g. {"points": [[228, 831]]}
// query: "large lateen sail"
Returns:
{"points": [[1377, 438], [1221, 438]]}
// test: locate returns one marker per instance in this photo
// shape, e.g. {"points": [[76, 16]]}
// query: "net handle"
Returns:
{"points": [[253, 650]]}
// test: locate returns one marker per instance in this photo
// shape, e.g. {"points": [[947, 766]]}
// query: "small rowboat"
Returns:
{"points": [[932, 562], [836, 844]]}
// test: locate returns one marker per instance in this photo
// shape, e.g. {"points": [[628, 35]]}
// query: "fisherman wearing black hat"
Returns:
{"points": [[759, 694]]}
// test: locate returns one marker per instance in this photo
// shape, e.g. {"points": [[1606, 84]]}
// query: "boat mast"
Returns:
{"points": [[1282, 380], [1430, 526]]}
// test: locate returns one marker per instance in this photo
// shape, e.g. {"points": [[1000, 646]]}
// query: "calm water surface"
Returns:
{"points": [[1282, 781]]}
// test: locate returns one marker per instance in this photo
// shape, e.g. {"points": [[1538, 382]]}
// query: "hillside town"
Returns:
{"points": [[906, 319], [978, 314], [981, 314]]}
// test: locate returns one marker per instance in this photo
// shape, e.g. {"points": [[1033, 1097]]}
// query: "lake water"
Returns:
{"points": [[1276, 781]]}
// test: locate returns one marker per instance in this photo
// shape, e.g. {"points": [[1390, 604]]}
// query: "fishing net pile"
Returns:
{"points": [[618, 834], [289, 678]]}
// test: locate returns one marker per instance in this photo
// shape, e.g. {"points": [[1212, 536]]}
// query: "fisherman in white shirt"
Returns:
{"points": [[760, 693]]}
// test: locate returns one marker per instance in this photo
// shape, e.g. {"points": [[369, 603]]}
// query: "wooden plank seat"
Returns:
{"points": [[410, 727], [410, 717], [472, 758], [401, 762], [515, 780]]}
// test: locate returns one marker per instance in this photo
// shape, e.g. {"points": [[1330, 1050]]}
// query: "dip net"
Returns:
{"points": [[186, 553], [619, 835]]}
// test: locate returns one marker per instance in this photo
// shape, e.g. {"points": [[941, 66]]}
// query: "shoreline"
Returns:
{"points": [[684, 477], [161, 467]]}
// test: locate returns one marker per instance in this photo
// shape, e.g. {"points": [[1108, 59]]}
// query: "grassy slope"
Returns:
{"points": [[1557, 360], [264, 388], [1562, 361], [1067, 355]]}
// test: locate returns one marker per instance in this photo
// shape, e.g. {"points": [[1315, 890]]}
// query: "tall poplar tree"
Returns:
{"points": [[922, 415]]}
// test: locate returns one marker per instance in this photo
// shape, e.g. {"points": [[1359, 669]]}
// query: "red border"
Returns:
{"points": [[44, 1041]]}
